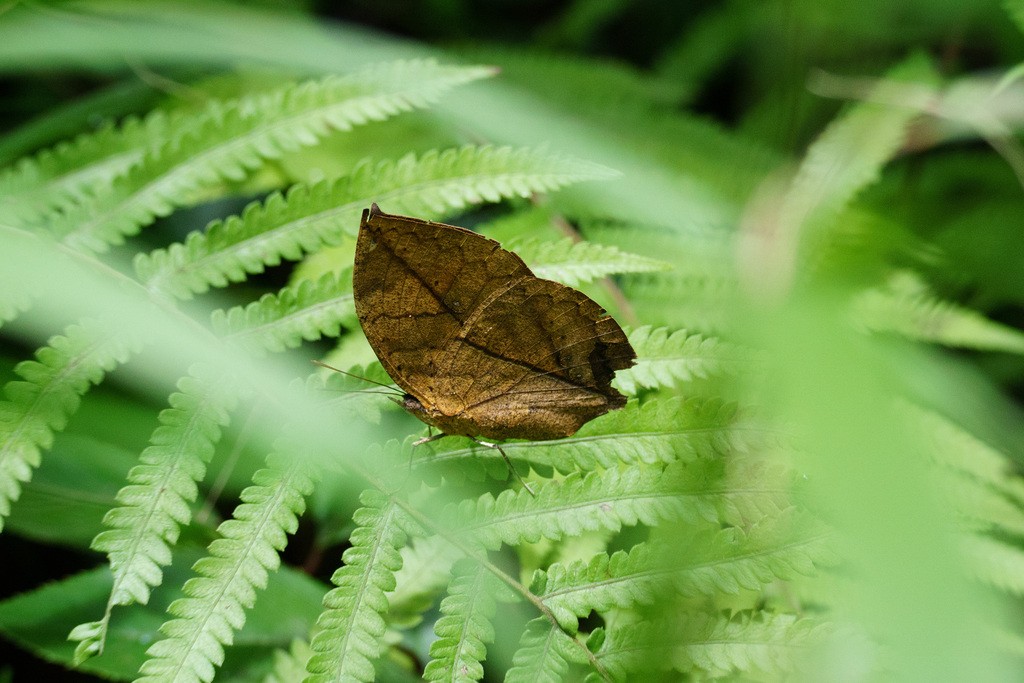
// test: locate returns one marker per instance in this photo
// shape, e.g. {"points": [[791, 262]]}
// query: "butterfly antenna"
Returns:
{"points": [[365, 379], [507, 462]]}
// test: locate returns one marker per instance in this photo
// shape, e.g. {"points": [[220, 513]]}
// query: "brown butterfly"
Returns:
{"points": [[481, 346]]}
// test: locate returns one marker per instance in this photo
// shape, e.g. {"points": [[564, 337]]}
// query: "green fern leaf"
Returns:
{"points": [[955, 448], [907, 307], [542, 654], [426, 570], [710, 645], [72, 172], [979, 507], [228, 578], [235, 138], [698, 301], [702, 151], [692, 248], [155, 503], [996, 563], [290, 666], [352, 624], [50, 392], [716, 561], [346, 395], [656, 431], [733, 491], [576, 263], [287, 226], [665, 359], [305, 311], [850, 153], [980, 481], [465, 629]]}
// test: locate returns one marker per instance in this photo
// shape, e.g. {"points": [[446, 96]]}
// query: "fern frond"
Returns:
{"points": [[71, 172], [308, 217], [698, 301], [665, 359], [703, 492], [716, 561], [156, 501], [905, 306], [980, 507], [465, 629], [238, 137], [49, 393], [703, 151], [303, 311], [345, 395], [543, 655], [576, 263], [290, 666], [996, 563], [706, 248], [955, 448], [228, 578], [426, 570], [710, 645], [850, 153], [656, 431], [352, 623]]}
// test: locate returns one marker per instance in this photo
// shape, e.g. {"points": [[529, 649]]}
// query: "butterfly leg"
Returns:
{"points": [[507, 462], [428, 439], [418, 442]]}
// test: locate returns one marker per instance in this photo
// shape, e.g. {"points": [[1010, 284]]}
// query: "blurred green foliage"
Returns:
{"points": [[807, 213]]}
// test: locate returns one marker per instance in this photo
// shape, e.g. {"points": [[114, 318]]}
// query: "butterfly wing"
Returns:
{"points": [[550, 354], [466, 328], [415, 284]]}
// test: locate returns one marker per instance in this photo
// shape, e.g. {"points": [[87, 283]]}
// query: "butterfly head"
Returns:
{"points": [[413, 405]]}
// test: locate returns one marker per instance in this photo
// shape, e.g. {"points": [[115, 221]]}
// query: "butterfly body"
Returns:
{"points": [[480, 345]]}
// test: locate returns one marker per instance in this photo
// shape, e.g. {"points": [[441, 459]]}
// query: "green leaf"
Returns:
{"points": [[697, 301], [72, 172], [995, 562], [716, 561], [702, 492], [465, 629], [656, 431], [290, 666], [426, 571], [237, 566], [309, 217], [541, 657], [49, 393], [906, 306], [305, 311], [156, 502], [351, 627], [667, 358], [710, 645], [39, 620], [230, 140], [577, 263], [850, 153]]}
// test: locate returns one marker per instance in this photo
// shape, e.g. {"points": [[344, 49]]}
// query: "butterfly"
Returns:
{"points": [[480, 345]]}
